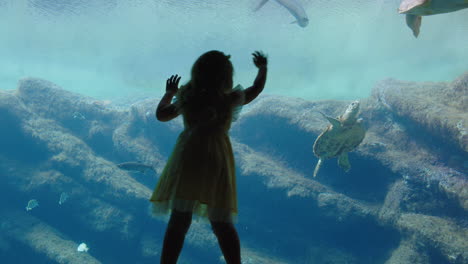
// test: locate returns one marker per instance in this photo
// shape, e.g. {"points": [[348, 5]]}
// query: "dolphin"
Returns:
{"points": [[415, 9], [294, 7]]}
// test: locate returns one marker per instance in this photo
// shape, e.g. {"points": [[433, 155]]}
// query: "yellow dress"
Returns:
{"points": [[199, 176]]}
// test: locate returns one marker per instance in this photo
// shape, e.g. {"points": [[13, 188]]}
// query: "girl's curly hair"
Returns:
{"points": [[211, 80]]}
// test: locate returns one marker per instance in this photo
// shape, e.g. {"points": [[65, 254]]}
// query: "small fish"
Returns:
{"points": [[135, 166], [78, 115], [82, 248], [63, 198], [294, 7], [32, 204]]}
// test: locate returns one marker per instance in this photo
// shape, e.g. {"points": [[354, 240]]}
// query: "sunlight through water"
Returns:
{"points": [[115, 48]]}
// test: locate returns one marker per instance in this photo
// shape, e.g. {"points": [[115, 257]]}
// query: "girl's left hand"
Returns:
{"points": [[172, 84], [260, 59]]}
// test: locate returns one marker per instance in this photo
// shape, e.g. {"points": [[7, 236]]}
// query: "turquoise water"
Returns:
{"points": [[53, 142], [113, 48]]}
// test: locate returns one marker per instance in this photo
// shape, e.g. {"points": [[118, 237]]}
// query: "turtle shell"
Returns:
{"points": [[334, 141]]}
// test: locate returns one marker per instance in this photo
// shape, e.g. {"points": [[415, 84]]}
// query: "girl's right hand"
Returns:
{"points": [[172, 84], [259, 59]]}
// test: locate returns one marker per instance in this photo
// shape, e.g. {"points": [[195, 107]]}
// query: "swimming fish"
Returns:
{"points": [[78, 115], [63, 198], [135, 166], [294, 7], [82, 248], [32, 204]]}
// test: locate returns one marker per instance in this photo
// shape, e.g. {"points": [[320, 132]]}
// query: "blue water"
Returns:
{"points": [[128, 47], [286, 234], [114, 49]]}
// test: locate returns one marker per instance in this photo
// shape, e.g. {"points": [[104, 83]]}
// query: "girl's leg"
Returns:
{"points": [[228, 241], [175, 235]]}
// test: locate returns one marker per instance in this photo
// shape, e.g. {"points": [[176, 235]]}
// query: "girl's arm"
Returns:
{"points": [[260, 60], [167, 111]]}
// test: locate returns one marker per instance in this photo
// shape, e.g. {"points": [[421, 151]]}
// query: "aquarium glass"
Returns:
{"points": [[80, 81]]}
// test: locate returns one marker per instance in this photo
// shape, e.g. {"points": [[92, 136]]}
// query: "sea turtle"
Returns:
{"points": [[414, 9], [343, 135]]}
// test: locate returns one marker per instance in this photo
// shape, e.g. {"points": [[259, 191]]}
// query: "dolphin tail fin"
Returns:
{"points": [[262, 3], [414, 23]]}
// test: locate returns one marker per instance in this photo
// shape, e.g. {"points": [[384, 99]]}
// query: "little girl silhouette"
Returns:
{"points": [[199, 176]]}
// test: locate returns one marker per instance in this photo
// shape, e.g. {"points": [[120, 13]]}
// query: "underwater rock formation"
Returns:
{"points": [[408, 252], [43, 238], [438, 108], [55, 141], [426, 122], [406, 193]]}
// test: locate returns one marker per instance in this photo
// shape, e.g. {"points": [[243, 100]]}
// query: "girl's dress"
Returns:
{"points": [[199, 176]]}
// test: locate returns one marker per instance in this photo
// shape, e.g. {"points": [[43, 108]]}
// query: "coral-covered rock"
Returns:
{"points": [[439, 108], [408, 180]]}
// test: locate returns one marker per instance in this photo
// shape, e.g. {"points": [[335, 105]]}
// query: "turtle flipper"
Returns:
{"points": [[414, 23], [335, 122], [317, 167], [343, 162]]}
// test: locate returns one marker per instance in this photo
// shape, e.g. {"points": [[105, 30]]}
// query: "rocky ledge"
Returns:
{"points": [[407, 185]]}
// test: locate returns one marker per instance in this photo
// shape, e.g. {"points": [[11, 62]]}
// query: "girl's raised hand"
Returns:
{"points": [[172, 84], [259, 59]]}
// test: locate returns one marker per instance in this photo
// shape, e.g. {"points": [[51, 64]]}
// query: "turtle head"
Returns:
{"points": [[351, 113]]}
